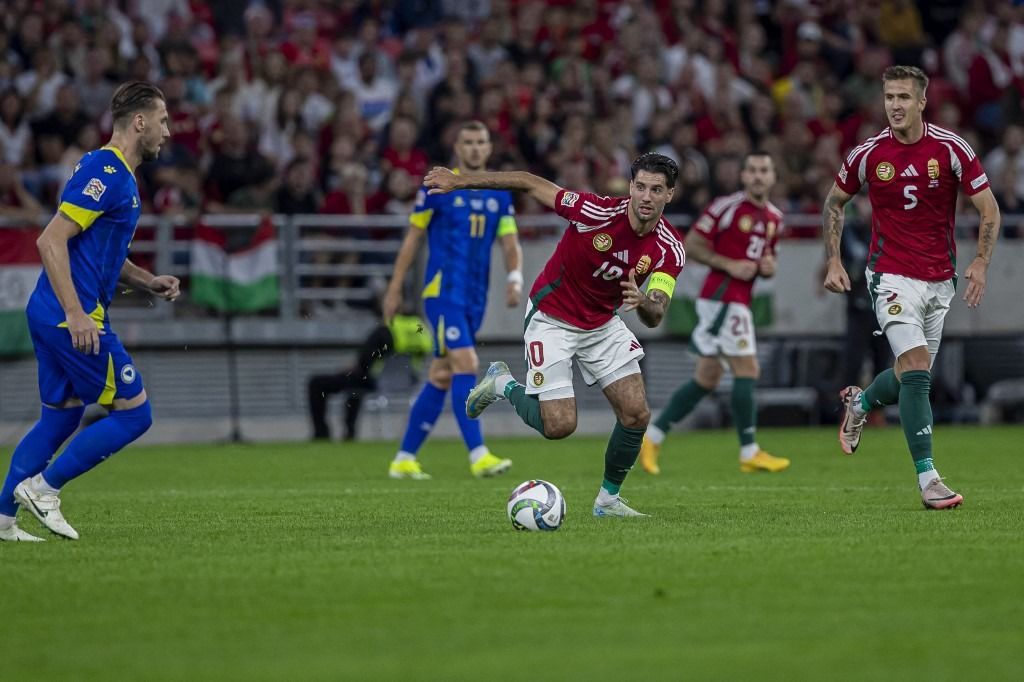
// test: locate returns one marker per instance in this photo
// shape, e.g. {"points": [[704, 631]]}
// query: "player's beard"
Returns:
{"points": [[148, 153]]}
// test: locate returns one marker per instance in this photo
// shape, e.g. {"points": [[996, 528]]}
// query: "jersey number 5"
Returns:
{"points": [[908, 192]]}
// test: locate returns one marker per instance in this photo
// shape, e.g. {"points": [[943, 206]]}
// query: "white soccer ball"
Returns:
{"points": [[536, 505]]}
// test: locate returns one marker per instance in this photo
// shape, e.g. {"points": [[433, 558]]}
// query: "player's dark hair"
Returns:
{"points": [[475, 126], [756, 152], [907, 73], [131, 98], [653, 162]]}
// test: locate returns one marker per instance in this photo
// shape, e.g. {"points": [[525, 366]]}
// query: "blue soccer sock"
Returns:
{"points": [[422, 416], [472, 435], [97, 442], [36, 449]]}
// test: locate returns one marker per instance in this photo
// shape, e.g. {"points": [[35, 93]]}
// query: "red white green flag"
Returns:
{"points": [[19, 269], [243, 280]]}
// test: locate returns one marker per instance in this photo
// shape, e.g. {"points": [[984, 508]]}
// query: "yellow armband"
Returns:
{"points": [[662, 282]]}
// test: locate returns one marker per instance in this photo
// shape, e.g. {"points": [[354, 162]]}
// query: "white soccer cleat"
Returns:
{"points": [[486, 392], [44, 507], [851, 426], [14, 534], [618, 508]]}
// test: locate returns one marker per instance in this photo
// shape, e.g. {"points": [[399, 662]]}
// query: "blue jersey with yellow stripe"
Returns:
{"points": [[103, 199], [461, 228]]}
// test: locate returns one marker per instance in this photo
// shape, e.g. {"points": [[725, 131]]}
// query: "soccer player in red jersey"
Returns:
{"points": [[612, 246], [736, 236], [913, 170]]}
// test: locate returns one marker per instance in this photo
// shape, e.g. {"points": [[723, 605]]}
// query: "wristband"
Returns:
{"points": [[515, 277]]}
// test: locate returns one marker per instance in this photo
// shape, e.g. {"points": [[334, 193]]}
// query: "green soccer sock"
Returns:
{"points": [[526, 406], [680, 404], [744, 409], [619, 458], [916, 416], [884, 390]]}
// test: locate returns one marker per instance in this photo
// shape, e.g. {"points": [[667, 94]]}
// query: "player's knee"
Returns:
{"points": [[637, 418], [709, 376], [136, 420], [559, 430]]}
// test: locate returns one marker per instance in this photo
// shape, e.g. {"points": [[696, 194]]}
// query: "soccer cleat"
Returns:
{"points": [[649, 451], [489, 465], [485, 393], [44, 507], [617, 508], [850, 426], [762, 461], [937, 495], [14, 534], [408, 468]]}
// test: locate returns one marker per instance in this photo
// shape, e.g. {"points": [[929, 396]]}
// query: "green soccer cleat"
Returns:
{"points": [[486, 393], [489, 465]]}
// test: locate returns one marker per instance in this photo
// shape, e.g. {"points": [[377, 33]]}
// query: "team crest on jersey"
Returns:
{"points": [[538, 379], [452, 333], [569, 199], [602, 242], [492, 205], [746, 223], [94, 189], [933, 169], [885, 171], [128, 374], [895, 309], [742, 343], [644, 265]]}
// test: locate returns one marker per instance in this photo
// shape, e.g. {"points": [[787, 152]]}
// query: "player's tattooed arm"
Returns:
{"points": [[441, 180], [832, 217], [652, 311], [988, 229]]}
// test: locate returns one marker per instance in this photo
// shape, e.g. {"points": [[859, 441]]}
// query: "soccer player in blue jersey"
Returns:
{"points": [[84, 250], [460, 229]]}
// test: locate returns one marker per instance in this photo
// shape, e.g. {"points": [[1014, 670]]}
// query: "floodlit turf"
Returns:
{"points": [[301, 562]]}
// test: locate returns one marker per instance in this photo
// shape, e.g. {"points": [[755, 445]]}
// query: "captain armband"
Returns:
{"points": [[662, 282]]}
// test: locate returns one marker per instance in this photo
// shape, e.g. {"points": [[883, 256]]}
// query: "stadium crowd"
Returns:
{"points": [[307, 106]]}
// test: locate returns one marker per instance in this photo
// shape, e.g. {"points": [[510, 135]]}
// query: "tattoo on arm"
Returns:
{"points": [[987, 239], [653, 309], [833, 217]]}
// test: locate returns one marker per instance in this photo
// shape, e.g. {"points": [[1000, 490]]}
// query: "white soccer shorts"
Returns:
{"points": [[723, 329], [910, 311]]}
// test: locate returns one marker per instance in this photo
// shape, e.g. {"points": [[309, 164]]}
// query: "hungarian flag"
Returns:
{"points": [[233, 277], [19, 269]]}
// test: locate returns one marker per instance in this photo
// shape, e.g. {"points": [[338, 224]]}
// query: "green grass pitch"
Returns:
{"points": [[304, 562]]}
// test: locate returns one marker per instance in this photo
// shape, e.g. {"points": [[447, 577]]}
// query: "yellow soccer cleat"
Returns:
{"points": [[408, 468], [489, 465], [649, 451], [762, 461]]}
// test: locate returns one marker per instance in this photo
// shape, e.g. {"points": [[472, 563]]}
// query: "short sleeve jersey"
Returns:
{"points": [[912, 189], [741, 230], [103, 199], [580, 283], [461, 228]]}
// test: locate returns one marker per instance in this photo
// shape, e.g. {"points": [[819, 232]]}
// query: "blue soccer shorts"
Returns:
{"points": [[68, 373], [454, 326]]}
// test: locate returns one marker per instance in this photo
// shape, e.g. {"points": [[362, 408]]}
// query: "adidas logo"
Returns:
{"points": [[910, 172], [622, 255], [634, 345], [926, 431]]}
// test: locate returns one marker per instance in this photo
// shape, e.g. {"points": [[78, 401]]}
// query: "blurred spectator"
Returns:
{"points": [[1005, 168], [401, 152], [39, 85], [15, 134], [236, 165], [16, 202], [298, 193]]}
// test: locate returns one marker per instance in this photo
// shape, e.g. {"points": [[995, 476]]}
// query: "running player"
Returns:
{"points": [[736, 237], [612, 246], [913, 170], [84, 250], [461, 229]]}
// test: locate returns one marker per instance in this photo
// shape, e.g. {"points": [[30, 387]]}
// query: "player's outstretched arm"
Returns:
{"points": [[833, 215], [441, 180], [699, 248], [403, 261], [166, 287], [988, 233], [513, 254]]}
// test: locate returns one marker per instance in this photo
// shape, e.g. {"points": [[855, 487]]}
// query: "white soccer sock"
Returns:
{"points": [[6, 521], [39, 485], [605, 498], [655, 435], [857, 407], [404, 456], [747, 452], [925, 477], [501, 382], [476, 453]]}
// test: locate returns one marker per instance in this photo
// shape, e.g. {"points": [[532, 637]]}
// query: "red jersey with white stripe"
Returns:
{"points": [[912, 188], [741, 230], [580, 282]]}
